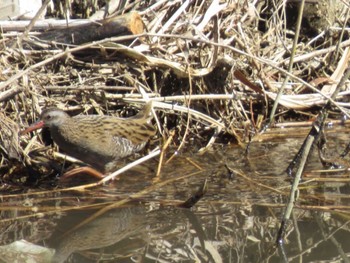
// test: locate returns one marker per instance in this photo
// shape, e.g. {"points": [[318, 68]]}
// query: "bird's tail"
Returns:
{"points": [[145, 112]]}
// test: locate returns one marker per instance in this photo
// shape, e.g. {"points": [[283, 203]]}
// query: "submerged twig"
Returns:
{"points": [[304, 153]]}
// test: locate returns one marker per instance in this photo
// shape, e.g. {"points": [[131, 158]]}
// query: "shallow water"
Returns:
{"points": [[236, 221]]}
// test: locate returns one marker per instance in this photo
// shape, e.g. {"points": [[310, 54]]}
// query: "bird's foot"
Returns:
{"points": [[82, 170]]}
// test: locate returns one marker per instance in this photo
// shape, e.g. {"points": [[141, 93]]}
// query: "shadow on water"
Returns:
{"points": [[236, 221]]}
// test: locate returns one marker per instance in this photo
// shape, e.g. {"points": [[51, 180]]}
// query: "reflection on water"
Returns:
{"points": [[129, 232], [236, 221]]}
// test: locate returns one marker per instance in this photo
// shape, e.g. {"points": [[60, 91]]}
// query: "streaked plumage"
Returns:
{"points": [[99, 141]]}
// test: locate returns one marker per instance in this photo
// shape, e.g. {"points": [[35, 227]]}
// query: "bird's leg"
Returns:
{"points": [[82, 170]]}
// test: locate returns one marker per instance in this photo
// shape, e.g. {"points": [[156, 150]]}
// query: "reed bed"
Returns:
{"points": [[213, 70]]}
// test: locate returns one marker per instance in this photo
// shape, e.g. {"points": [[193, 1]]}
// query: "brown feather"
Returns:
{"points": [[99, 140]]}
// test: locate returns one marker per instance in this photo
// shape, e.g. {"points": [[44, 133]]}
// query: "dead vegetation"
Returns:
{"points": [[212, 68]]}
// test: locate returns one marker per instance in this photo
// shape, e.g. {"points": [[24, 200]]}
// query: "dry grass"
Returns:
{"points": [[186, 62]]}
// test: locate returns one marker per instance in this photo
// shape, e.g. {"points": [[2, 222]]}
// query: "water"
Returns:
{"points": [[236, 221]]}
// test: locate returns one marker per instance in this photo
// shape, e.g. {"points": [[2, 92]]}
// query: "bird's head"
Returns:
{"points": [[51, 117]]}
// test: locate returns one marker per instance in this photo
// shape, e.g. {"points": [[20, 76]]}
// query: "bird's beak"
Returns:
{"points": [[33, 127]]}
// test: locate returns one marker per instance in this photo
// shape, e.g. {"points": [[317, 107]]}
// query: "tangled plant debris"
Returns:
{"points": [[213, 70]]}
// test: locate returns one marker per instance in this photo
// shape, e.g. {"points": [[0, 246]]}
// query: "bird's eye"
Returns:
{"points": [[48, 116]]}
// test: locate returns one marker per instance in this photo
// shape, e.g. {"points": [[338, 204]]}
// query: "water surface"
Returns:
{"points": [[136, 219]]}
